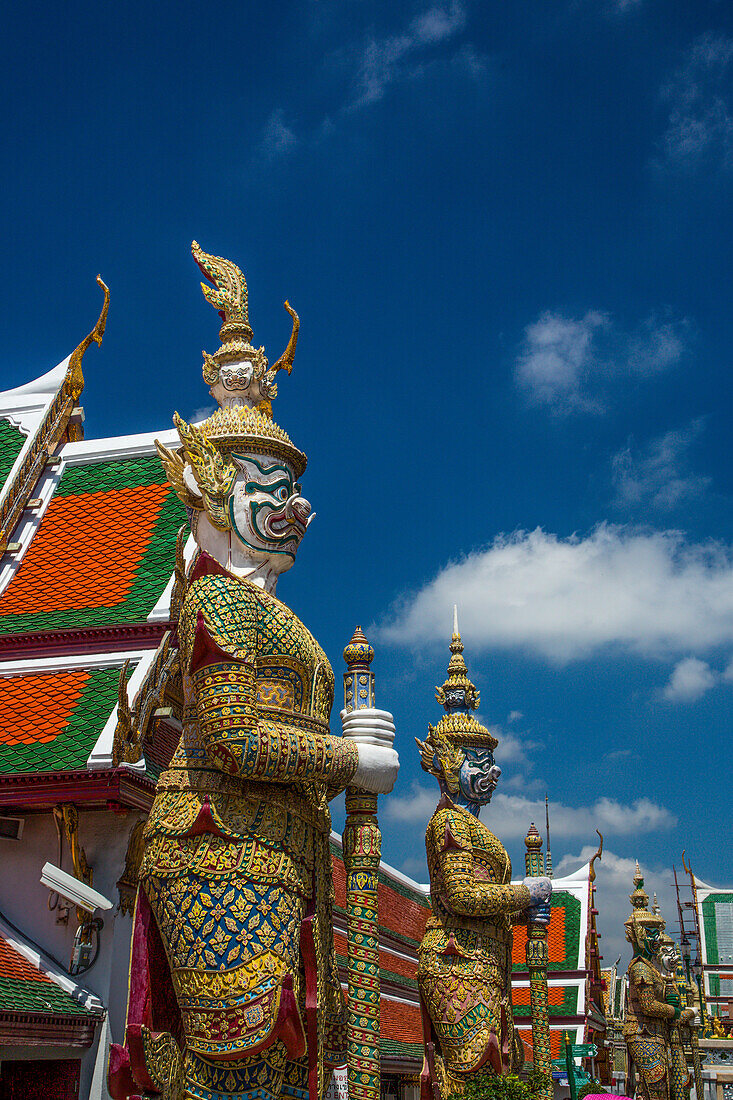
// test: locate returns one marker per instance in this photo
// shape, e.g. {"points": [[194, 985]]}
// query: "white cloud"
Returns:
{"points": [[728, 673], [202, 413], [557, 357], [644, 592], [700, 124], [515, 716], [659, 476], [383, 61], [509, 815], [690, 679], [277, 138], [567, 364]]}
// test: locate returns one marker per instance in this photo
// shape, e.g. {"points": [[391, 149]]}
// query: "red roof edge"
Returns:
{"points": [[113, 788], [96, 639]]}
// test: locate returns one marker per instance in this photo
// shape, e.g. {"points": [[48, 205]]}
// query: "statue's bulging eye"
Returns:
{"points": [[282, 493]]}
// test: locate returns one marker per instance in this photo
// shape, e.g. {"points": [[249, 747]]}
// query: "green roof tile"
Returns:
{"points": [[11, 444], [147, 570], [23, 699], [25, 995]]}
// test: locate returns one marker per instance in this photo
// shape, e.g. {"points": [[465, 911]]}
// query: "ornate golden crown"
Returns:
{"points": [[641, 917], [243, 387], [457, 729]]}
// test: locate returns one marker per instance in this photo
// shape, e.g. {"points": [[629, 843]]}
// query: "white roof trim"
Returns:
{"points": [[41, 962], [25, 405], [101, 754], [83, 452], [161, 613], [560, 983], [69, 662], [30, 522]]}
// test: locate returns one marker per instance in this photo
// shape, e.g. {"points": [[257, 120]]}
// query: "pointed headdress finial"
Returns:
{"points": [[457, 692], [238, 372], [202, 471], [641, 917]]}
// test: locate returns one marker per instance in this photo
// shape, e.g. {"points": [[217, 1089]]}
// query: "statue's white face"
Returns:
{"points": [[267, 512]]}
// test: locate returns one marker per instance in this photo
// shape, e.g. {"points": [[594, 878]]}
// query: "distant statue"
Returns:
{"points": [[234, 989], [654, 1015], [465, 960]]}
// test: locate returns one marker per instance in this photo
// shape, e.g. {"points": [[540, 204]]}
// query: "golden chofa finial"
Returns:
{"points": [[74, 376], [238, 372]]}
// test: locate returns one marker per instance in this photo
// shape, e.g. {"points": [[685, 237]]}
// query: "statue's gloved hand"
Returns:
{"points": [[368, 726], [377, 768], [539, 914], [673, 999], [540, 889], [373, 731], [687, 1016]]}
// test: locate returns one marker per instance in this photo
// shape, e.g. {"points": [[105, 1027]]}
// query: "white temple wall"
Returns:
{"points": [[24, 902]]}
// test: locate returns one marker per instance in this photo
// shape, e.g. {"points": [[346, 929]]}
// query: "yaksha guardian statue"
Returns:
{"points": [[234, 990], [654, 1014], [465, 957]]}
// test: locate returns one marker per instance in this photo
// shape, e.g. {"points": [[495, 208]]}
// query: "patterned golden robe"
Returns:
{"points": [[237, 844], [464, 968]]}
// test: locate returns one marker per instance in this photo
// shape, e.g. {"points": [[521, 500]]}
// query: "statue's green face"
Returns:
{"points": [[650, 940], [478, 775], [266, 510]]}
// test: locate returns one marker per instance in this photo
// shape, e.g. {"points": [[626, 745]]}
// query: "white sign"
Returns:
{"points": [[339, 1087]]}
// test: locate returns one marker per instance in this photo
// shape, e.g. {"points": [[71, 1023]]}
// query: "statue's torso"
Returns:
{"points": [[643, 973], [294, 690]]}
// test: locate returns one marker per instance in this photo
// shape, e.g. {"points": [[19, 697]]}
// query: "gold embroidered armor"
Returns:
{"points": [[652, 1024], [237, 840]]}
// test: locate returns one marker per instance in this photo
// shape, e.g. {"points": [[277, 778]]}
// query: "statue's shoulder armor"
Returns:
{"points": [[450, 827], [231, 611], [643, 972], [247, 622]]}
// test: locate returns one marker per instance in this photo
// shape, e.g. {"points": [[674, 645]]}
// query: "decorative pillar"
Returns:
{"points": [[537, 967], [362, 849]]}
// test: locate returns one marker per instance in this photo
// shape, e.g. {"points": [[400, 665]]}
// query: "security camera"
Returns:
{"points": [[73, 889]]}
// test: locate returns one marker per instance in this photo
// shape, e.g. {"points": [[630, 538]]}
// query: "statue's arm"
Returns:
{"points": [[238, 742], [465, 894]]}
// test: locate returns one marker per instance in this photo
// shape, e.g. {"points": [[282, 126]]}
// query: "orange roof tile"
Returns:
{"points": [[525, 1035], [521, 995], [14, 965], [87, 550], [555, 938], [34, 709], [49, 721]]}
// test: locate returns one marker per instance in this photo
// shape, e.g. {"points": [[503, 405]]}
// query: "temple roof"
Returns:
{"points": [[24, 988], [50, 718], [103, 552], [29, 984]]}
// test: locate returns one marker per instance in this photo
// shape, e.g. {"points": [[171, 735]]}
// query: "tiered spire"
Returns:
{"points": [[457, 692], [458, 696]]}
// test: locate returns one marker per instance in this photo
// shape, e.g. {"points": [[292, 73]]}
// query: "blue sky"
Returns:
{"points": [[507, 231]]}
